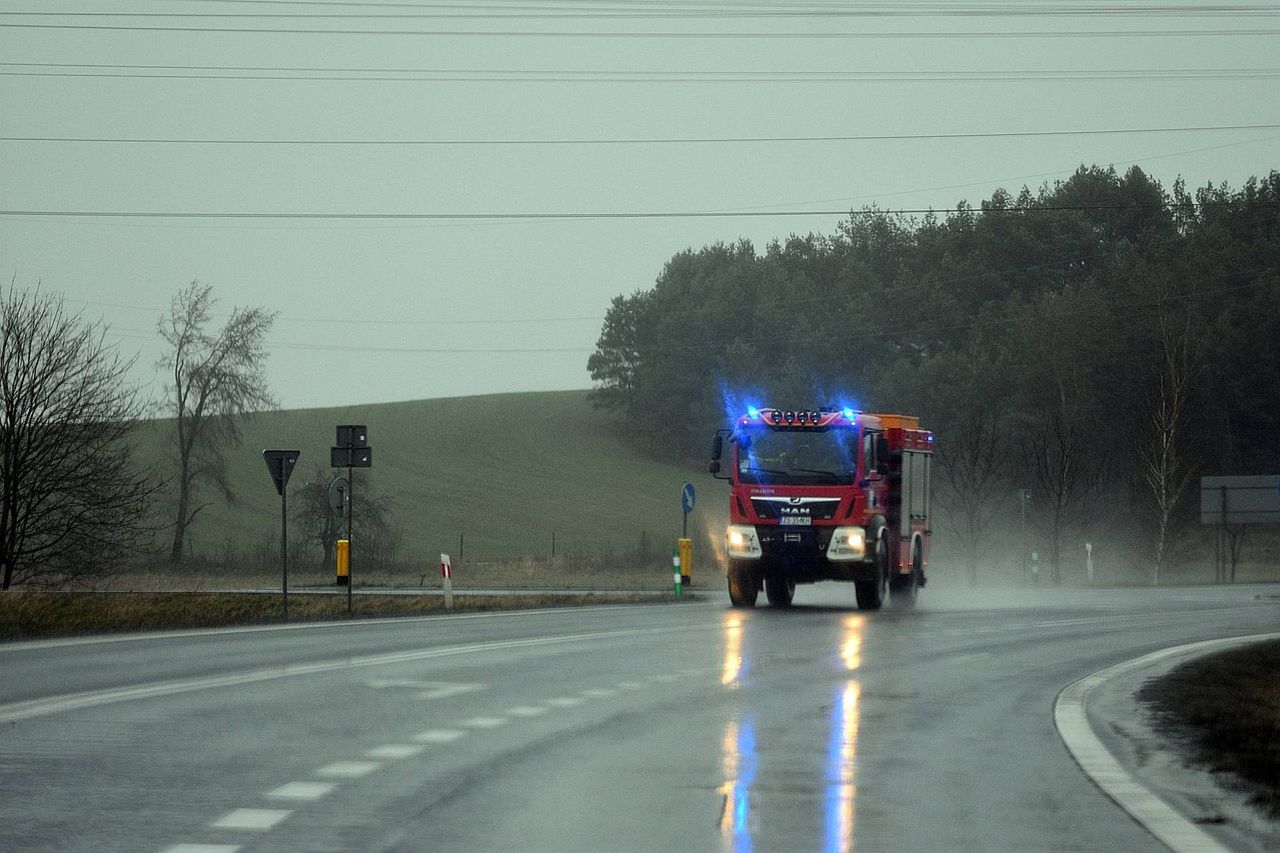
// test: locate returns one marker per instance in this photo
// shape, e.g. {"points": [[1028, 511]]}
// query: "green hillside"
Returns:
{"points": [[503, 470]]}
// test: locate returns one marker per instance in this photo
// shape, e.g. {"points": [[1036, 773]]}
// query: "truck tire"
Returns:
{"points": [[780, 590], [903, 589], [871, 593], [743, 588]]}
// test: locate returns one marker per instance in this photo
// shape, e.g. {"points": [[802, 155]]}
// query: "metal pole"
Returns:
{"points": [[684, 526], [351, 491], [284, 541], [553, 544], [1023, 556], [460, 535]]}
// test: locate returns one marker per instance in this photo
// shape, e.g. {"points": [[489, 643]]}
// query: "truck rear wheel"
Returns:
{"points": [[780, 590], [903, 589], [743, 587]]}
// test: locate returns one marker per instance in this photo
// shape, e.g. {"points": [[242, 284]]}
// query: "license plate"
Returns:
{"points": [[795, 521]]}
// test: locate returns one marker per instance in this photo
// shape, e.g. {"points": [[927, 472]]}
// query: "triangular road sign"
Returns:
{"points": [[280, 463]]}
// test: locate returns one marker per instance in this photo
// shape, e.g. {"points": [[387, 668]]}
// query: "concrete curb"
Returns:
{"points": [[1156, 816]]}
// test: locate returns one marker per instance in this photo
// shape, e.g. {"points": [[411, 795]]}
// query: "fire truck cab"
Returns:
{"points": [[826, 494]]}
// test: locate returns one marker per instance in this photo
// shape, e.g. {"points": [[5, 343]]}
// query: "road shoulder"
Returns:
{"points": [[1114, 740]]}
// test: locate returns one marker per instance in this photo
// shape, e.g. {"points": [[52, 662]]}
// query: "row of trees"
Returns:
{"points": [[1099, 343], [73, 499]]}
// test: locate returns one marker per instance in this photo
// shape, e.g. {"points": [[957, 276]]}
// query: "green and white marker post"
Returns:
{"points": [[675, 565]]}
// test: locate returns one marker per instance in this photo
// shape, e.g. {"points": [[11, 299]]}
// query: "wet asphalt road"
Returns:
{"points": [[691, 727]]}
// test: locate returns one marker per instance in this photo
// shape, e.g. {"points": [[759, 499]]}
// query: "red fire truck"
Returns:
{"points": [[826, 494]]}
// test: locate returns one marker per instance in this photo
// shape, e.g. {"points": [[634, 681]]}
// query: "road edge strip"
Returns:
{"points": [[1159, 818]]}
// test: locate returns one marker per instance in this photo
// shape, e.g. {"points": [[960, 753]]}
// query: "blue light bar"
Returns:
{"points": [[848, 413], [753, 412]]}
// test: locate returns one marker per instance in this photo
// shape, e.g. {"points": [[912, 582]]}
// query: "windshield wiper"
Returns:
{"points": [[835, 478], [770, 472]]}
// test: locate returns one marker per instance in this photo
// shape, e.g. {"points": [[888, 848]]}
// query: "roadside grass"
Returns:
{"points": [[1226, 707], [29, 615]]}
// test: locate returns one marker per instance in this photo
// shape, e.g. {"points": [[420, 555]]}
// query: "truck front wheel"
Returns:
{"points": [[743, 587], [871, 593], [780, 590]]}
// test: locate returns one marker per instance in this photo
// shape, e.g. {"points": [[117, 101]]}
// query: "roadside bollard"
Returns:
{"points": [[686, 561], [675, 565], [446, 574], [344, 562]]}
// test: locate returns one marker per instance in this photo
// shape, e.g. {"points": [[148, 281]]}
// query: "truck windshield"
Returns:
{"points": [[798, 457]]}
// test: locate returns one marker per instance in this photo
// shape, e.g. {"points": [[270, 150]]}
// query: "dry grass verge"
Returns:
{"points": [[26, 615], [1226, 707]]}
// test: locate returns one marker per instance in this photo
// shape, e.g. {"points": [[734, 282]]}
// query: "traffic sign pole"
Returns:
{"points": [[280, 465], [284, 543]]}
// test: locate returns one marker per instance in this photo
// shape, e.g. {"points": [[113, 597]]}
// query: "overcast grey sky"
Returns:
{"points": [[389, 309]]}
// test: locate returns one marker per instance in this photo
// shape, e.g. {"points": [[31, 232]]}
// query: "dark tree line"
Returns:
{"points": [[1100, 342]]}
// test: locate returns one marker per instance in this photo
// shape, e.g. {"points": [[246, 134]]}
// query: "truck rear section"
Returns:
{"points": [[826, 494]]}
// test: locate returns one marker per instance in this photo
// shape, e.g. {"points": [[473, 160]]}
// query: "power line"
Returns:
{"points": [[620, 34], [689, 140], [597, 215], [623, 12], [359, 75]]}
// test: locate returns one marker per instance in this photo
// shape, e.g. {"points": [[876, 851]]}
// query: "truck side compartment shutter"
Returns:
{"points": [[908, 506]]}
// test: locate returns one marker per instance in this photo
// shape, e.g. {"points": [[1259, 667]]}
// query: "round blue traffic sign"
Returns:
{"points": [[687, 497]]}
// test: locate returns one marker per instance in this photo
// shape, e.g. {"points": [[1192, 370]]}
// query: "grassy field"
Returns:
{"points": [[1226, 707], [503, 471]]}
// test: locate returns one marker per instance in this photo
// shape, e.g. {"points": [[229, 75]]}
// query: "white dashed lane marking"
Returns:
{"points": [[348, 769], [302, 791], [629, 685], [527, 711], [565, 701], [394, 750], [257, 820], [438, 736], [485, 722], [599, 693], [202, 848]]}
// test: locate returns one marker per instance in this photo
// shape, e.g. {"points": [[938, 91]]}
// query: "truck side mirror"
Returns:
{"points": [[717, 448], [714, 467]]}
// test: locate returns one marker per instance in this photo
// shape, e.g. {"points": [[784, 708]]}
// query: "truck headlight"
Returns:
{"points": [[847, 543], [741, 541]]}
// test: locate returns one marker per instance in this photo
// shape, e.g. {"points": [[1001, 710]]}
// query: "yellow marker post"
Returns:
{"points": [[344, 562], [685, 547]]}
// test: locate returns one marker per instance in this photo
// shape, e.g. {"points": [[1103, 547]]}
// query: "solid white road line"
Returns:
{"points": [[302, 791], [1160, 819], [348, 769], [256, 820], [202, 848], [438, 736], [394, 750], [76, 701], [527, 711], [485, 722]]}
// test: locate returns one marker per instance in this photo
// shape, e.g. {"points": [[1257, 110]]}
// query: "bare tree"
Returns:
{"points": [[1163, 464], [1062, 446], [375, 531], [72, 501], [214, 380]]}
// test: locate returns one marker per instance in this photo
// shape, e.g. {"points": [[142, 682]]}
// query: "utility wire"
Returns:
{"points": [[622, 34], [161, 72], [599, 215], [687, 140]]}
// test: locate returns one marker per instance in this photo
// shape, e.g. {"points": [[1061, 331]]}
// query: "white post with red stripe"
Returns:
{"points": [[446, 573]]}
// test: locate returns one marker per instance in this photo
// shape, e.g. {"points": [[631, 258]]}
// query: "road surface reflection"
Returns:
{"points": [[740, 765]]}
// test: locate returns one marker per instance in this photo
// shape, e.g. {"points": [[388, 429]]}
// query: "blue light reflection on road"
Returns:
{"points": [[739, 766], [839, 791]]}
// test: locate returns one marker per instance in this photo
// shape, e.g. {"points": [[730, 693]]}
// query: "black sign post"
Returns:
{"points": [[280, 464], [351, 450]]}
